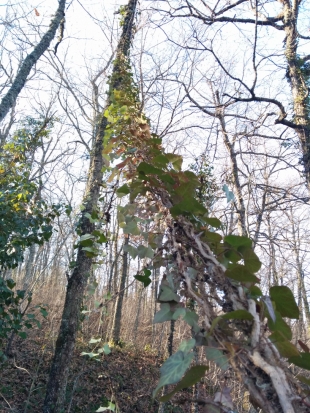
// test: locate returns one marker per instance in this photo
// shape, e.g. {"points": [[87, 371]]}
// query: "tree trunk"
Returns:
{"points": [[29, 270], [9, 100], [116, 326], [298, 82], [56, 387]]}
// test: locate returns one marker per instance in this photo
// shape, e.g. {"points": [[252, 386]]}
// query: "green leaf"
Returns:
{"points": [[167, 294], [110, 406], [145, 279], [304, 380], [285, 347], [105, 349], [161, 160], [164, 314], [101, 238], [131, 228], [123, 190], [232, 315], [175, 160], [148, 169], [173, 369], [22, 334], [285, 301], [214, 222], [191, 272], [251, 260], [212, 237], [303, 360], [237, 241], [280, 325], [179, 312], [216, 355], [232, 256], [237, 315], [43, 312], [187, 345], [86, 237], [255, 292], [132, 251], [94, 340], [90, 355], [191, 318], [193, 375], [145, 252], [188, 205], [238, 272]]}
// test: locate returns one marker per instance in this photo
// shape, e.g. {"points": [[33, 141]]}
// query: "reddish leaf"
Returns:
{"points": [[304, 346]]}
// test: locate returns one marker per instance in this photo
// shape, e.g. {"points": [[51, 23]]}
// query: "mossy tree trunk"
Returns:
{"points": [[65, 344]]}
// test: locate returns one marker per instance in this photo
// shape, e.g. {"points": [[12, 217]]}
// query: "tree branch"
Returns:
{"points": [[8, 101]]}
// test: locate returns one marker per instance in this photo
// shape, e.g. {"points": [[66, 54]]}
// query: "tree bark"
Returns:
{"points": [[9, 100], [56, 387], [116, 326], [298, 82]]}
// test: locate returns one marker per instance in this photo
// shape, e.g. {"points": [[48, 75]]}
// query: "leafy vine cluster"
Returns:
{"points": [[238, 325]]}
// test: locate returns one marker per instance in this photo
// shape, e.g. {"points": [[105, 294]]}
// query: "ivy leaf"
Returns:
{"points": [[123, 190], [175, 160], [145, 279], [132, 251], [105, 349], [285, 301], [214, 222], [255, 292], [187, 345], [304, 380], [240, 273], [212, 237], [232, 315], [216, 355], [86, 240], [193, 375], [131, 228], [94, 340], [191, 318], [188, 205], [90, 355], [161, 160], [173, 369], [145, 252], [179, 312], [280, 325], [110, 406], [237, 241], [285, 347], [251, 260], [148, 169], [164, 314], [167, 294], [303, 360], [304, 346]]}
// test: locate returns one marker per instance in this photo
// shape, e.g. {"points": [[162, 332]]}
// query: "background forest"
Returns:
{"points": [[154, 206]]}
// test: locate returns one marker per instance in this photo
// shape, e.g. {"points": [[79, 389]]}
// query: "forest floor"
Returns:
{"points": [[126, 377]]}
